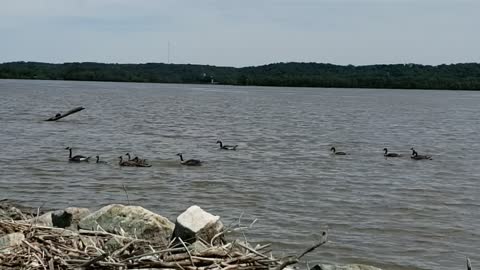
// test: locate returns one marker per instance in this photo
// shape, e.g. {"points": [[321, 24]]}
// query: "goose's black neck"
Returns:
{"points": [[181, 157], [70, 150]]}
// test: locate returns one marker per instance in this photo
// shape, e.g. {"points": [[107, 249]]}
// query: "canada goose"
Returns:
{"points": [[337, 153], [227, 147], [190, 162], [77, 158], [127, 163], [416, 156], [132, 163], [138, 161], [141, 162], [100, 161], [386, 154]]}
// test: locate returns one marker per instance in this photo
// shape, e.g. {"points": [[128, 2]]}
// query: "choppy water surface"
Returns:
{"points": [[392, 213]]}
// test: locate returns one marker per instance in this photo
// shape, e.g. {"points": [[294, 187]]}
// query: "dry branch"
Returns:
{"points": [[46, 248]]}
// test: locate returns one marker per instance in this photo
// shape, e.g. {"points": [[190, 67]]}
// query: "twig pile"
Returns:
{"points": [[53, 248]]}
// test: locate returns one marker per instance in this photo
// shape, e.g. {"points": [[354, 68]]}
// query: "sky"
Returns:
{"points": [[241, 33]]}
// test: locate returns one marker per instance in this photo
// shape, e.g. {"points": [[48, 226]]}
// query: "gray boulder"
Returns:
{"points": [[195, 223], [9, 241], [131, 221], [344, 267], [68, 218]]}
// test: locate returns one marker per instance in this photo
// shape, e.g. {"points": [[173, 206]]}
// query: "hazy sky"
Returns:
{"points": [[242, 32]]}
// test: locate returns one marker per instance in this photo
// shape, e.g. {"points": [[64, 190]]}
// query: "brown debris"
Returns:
{"points": [[46, 248]]}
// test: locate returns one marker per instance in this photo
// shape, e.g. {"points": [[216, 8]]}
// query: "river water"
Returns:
{"points": [[394, 213]]}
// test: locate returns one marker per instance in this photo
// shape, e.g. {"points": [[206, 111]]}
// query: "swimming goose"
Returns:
{"points": [[227, 147], [100, 161], [138, 161], [76, 158], [337, 153], [416, 156], [190, 162], [141, 162], [126, 163], [390, 154]]}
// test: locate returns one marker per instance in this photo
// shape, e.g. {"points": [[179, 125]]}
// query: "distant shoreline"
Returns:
{"points": [[396, 76]]}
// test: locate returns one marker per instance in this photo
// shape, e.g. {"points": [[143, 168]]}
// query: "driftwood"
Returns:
{"points": [[48, 248], [294, 260], [59, 116], [53, 248]]}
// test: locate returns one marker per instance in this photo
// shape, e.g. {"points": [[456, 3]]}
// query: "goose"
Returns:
{"points": [[227, 147], [77, 158], [190, 162], [100, 161], [141, 162], [127, 163], [138, 160], [416, 156], [337, 153], [143, 165], [390, 154], [130, 157]]}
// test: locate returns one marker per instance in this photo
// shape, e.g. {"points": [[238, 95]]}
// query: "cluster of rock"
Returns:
{"points": [[118, 228]]}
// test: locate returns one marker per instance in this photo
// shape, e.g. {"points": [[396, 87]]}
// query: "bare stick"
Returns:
{"points": [[324, 240], [153, 253], [188, 251], [253, 250], [126, 193], [295, 260], [94, 260]]}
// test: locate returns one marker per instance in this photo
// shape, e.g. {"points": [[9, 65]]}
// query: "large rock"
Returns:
{"points": [[195, 223], [133, 221], [344, 267], [9, 241], [68, 218]]}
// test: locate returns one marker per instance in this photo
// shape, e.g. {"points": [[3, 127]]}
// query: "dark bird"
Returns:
{"points": [[386, 154], [138, 161], [126, 163], [100, 161], [337, 153], [76, 158], [416, 156], [190, 162], [227, 147], [132, 163]]}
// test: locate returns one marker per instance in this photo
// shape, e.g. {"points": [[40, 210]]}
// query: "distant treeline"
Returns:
{"points": [[405, 76]]}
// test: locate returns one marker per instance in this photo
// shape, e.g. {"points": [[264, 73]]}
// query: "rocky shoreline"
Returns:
{"points": [[131, 237]]}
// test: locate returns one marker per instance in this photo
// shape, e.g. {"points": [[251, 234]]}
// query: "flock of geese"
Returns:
{"points": [[139, 162], [414, 154]]}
